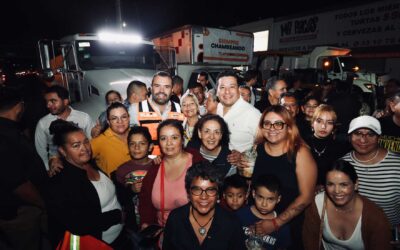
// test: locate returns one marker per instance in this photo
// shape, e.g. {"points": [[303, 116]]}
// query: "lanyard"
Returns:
{"points": [[162, 196]]}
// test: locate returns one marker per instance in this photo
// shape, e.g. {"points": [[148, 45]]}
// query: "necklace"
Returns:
{"points": [[361, 161], [345, 211], [188, 132], [202, 229], [349, 210], [319, 152]]}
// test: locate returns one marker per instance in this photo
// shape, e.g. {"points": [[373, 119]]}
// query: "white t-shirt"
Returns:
{"points": [[108, 201], [330, 241], [242, 120]]}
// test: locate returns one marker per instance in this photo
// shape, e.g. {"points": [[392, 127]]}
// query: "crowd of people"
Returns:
{"points": [[204, 168]]}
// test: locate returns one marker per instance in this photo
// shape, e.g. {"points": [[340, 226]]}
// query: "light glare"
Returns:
{"points": [[119, 38]]}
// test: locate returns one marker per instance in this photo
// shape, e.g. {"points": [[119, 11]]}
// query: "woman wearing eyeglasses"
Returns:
{"points": [[323, 145], [202, 223], [285, 155], [378, 169], [110, 149]]}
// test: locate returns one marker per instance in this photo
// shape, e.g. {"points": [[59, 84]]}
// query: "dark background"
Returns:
{"points": [[23, 23]]}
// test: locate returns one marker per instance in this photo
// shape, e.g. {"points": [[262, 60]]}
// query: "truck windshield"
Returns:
{"points": [[348, 64], [98, 55]]}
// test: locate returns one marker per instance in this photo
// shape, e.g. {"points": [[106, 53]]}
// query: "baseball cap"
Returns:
{"points": [[365, 121]]}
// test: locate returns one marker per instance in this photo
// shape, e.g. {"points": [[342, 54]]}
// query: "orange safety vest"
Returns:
{"points": [[148, 117]]}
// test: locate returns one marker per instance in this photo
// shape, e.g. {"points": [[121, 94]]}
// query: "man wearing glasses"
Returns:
{"points": [[202, 223], [378, 169]]}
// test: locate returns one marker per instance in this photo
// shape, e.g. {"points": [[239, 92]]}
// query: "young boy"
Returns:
{"points": [[266, 195], [234, 192], [130, 174]]}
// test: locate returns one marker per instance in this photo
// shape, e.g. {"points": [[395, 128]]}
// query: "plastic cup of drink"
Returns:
{"points": [[250, 156]]}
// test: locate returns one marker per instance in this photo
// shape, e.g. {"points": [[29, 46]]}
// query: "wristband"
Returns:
{"points": [[276, 226]]}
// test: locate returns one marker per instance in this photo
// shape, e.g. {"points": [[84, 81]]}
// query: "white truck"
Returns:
{"points": [[89, 65], [198, 48], [332, 62]]}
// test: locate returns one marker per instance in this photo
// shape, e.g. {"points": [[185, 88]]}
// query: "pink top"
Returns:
{"points": [[175, 193]]}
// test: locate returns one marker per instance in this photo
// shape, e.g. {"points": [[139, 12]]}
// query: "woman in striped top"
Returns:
{"points": [[211, 139], [378, 169]]}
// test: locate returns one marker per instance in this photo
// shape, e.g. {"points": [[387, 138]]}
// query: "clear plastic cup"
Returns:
{"points": [[250, 156]]}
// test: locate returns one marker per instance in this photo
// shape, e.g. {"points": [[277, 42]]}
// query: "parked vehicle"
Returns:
{"points": [[190, 49], [89, 65]]}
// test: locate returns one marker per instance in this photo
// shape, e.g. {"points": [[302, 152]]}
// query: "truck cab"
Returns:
{"points": [[89, 65], [346, 68]]}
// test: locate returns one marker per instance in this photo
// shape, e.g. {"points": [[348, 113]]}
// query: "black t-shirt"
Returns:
{"points": [[284, 169], [19, 163], [12, 175], [325, 152], [390, 138], [225, 231]]}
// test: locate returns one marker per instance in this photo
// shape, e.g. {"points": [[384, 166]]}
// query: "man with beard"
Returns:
{"points": [[158, 107], [57, 101], [202, 223], [23, 176]]}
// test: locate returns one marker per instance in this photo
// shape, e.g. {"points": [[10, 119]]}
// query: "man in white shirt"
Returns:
{"points": [[57, 101], [242, 118]]}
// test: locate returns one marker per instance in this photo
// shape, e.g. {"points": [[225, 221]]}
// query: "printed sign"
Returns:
{"points": [[227, 47], [369, 25]]}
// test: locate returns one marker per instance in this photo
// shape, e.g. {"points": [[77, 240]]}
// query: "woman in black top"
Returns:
{"points": [[323, 145], [82, 198], [202, 223], [285, 155]]}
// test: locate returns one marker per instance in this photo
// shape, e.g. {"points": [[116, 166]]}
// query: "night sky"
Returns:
{"points": [[24, 22]]}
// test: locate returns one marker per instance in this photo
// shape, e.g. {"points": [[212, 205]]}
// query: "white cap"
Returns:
{"points": [[365, 121]]}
